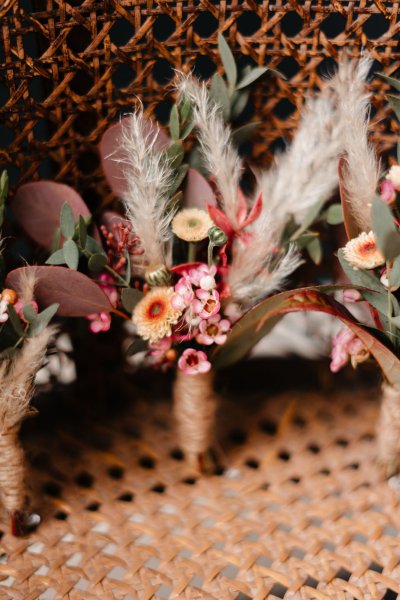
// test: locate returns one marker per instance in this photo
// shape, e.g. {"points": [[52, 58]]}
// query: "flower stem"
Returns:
{"points": [[210, 254], [116, 275], [192, 252], [389, 298]]}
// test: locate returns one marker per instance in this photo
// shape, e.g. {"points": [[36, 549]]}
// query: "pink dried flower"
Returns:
{"points": [[183, 294], [213, 331], [120, 240], [388, 191], [193, 362], [207, 304], [351, 296], [18, 306], [394, 176], [108, 289], [100, 322], [203, 276], [346, 345], [160, 347]]}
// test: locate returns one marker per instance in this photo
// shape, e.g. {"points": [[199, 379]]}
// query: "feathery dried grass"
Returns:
{"points": [[363, 170], [148, 178], [218, 152]]}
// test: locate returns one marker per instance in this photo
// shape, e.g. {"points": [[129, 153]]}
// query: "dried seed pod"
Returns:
{"points": [[157, 275]]}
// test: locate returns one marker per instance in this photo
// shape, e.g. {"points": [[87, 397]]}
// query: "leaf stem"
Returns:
{"points": [[192, 252], [117, 276], [210, 254]]}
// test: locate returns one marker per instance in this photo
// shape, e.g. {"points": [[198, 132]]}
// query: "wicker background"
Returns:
{"points": [[69, 68]]}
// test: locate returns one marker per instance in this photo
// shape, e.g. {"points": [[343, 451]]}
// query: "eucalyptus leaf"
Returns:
{"points": [[387, 234], [187, 129], [14, 320], [175, 154], [185, 109], [314, 249], [29, 312], [43, 319], [127, 275], [174, 128], [228, 61], [395, 104], [82, 228], [139, 345], [97, 262], [67, 221], [57, 258], [309, 219], [391, 80], [239, 102], [178, 178], [243, 133], [92, 246], [71, 254], [252, 76], [3, 185], [334, 214], [56, 241], [306, 238], [130, 297], [395, 273], [219, 93]]}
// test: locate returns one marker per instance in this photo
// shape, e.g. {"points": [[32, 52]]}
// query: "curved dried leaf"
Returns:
{"points": [[111, 154], [37, 207], [197, 193], [77, 294]]}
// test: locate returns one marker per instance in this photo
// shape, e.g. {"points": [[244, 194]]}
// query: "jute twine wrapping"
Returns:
{"points": [[389, 429], [12, 470], [195, 404]]}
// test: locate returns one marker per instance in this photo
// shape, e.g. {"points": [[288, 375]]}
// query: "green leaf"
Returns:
{"points": [[57, 258], [185, 109], [243, 133], [127, 275], [3, 185], [228, 61], [334, 214], [82, 228], [219, 93], [97, 262], [130, 297], [187, 129], [67, 221], [387, 234], [92, 246], [395, 104], [42, 320], [239, 102], [29, 312], [309, 219], [391, 80], [139, 345], [180, 175], [252, 76], [14, 320], [314, 249], [71, 254], [174, 123], [175, 154], [395, 273]]}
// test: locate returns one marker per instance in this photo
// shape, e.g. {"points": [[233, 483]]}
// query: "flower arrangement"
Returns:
{"points": [[192, 259]]}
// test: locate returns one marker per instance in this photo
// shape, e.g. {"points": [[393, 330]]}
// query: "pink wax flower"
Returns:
{"points": [[213, 331], [203, 277], [19, 305], [388, 191], [207, 304], [160, 347], [193, 362], [99, 322], [351, 296], [3, 311], [346, 345], [183, 294], [109, 290]]}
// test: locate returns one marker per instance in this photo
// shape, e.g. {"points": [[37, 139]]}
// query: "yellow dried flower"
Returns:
{"points": [[154, 314], [192, 224]]}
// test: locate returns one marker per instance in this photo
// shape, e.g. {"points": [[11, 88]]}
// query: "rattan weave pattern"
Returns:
{"points": [[68, 68], [300, 513]]}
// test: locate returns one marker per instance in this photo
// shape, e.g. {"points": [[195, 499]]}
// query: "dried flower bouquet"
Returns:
{"points": [[193, 256]]}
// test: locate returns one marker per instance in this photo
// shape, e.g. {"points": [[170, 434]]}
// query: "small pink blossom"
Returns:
{"points": [[346, 345], [351, 296], [109, 290], [193, 362], [3, 311], [160, 347], [19, 305], [183, 294], [100, 322], [388, 191], [207, 304], [203, 277], [213, 331]]}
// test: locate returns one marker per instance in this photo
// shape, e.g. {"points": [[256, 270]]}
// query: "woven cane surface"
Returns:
{"points": [[300, 512], [68, 68]]}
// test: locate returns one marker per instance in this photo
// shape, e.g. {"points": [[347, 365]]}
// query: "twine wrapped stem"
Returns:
{"points": [[195, 404], [12, 477], [389, 430]]}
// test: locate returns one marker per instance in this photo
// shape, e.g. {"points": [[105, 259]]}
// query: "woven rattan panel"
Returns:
{"points": [[300, 513], [69, 68]]}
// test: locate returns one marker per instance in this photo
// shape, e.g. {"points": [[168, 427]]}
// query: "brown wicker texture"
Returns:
{"points": [[300, 513], [68, 68]]}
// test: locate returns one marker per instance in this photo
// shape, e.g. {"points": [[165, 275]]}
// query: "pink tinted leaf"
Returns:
{"points": [[221, 220], [350, 224], [112, 157], [198, 192], [185, 267], [77, 294], [258, 321], [37, 207], [254, 213], [242, 210]]}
